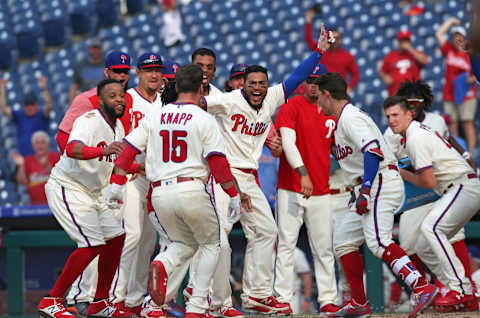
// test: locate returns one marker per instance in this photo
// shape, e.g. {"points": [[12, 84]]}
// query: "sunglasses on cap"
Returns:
{"points": [[120, 70], [310, 80], [150, 62], [415, 101]]}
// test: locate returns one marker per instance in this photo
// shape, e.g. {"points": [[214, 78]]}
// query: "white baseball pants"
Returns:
{"points": [[187, 213], [131, 283], [448, 215], [292, 211], [375, 227], [261, 234]]}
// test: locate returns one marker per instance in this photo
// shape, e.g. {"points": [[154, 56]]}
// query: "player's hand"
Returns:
{"points": [[275, 146], [325, 39], [454, 21], [363, 201], [307, 186], [141, 169], [234, 209], [246, 202], [309, 14], [114, 193], [17, 158], [115, 147], [42, 82]]}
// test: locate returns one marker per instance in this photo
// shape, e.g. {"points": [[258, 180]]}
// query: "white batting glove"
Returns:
{"points": [[113, 194], [234, 209]]}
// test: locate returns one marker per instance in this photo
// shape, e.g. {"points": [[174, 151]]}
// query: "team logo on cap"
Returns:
{"points": [[316, 69], [124, 58], [175, 68], [153, 57]]}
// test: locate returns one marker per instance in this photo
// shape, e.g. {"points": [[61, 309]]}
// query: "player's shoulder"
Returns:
{"points": [[434, 117], [418, 132]]}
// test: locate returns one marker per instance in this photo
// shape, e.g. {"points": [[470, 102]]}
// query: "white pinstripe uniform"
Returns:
{"points": [[356, 133], [132, 280], [459, 188], [74, 187], [244, 130], [411, 220], [179, 139]]}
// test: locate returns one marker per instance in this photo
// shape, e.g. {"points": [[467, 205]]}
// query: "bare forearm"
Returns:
{"points": [[419, 56], [3, 102], [21, 176]]}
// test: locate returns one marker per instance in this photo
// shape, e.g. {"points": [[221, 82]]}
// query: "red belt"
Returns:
{"points": [[252, 171], [469, 176], [391, 167], [337, 191], [179, 179]]}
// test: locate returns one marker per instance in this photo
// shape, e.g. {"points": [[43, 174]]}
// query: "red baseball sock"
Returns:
{"points": [[417, 262], [76, 263], [395, 292], [352, 264], [402, 266], [462, 253], [107, 265]]}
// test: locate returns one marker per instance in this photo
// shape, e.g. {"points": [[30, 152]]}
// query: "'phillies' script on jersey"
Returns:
{"points": [[252, 129]]}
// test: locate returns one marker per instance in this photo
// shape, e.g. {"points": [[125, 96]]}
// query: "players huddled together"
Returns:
{"points": [[177, 157]]}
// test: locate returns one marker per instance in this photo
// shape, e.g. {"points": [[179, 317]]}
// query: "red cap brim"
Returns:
{"points": [[236, 74], [152, 65], [168, 75], [119, 66]]}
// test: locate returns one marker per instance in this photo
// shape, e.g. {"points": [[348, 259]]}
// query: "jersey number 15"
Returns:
{"points": [[171, 141]]}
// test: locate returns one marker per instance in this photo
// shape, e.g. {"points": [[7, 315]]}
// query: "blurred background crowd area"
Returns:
{"points": [[43, 42]]}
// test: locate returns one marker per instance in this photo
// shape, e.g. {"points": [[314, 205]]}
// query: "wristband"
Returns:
{"points": [[134, 168], [118, 179], [319, 50], [232, 191], [91, 152], [467, 155]]}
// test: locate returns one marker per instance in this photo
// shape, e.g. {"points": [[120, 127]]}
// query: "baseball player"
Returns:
{"points": [[439, 167], [303, 193], [236, 80], [244, 117], [132, 280], [117, 67], [181, 138], [74, 196], [372, 169], [420, 98]]}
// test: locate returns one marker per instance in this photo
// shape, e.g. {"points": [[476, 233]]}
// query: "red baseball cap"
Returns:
{"points": [[404, 35]]}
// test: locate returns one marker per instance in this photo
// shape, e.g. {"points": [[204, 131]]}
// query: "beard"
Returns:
{"points": [[112, 113]]}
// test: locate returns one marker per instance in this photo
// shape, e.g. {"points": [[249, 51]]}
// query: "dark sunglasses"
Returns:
{"points": [[310, 80], [120, 70]]}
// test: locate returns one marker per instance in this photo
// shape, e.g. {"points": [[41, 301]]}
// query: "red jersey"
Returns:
{"points": [[457, 62], [37, 176], [314, 133], [401, 66], [336, 60], [83, 103]]}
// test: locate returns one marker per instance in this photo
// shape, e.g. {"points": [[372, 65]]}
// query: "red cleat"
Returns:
{"points": [[133, 310], [53, 307], [455, 301], [330, 310], [423, 296], [269, 305], [226, 312], [353, 309], [158, 282], [152, 312], [196, 315], [104, 308]]}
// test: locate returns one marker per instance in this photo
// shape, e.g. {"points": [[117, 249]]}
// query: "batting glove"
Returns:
{"points": [[114, 194], [234, 209], [363, 201]]}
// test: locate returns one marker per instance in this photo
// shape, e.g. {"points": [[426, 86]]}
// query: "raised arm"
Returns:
{"points": [[441, 33], [42, 81], [309, 14], [306, 68], [3, 99]]}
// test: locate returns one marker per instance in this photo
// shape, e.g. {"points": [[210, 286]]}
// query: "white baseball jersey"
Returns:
{"points": [[356, 133], [213, 90], [92, 130], [427, 149], [179, 138], [244, 128], [432, 120]]}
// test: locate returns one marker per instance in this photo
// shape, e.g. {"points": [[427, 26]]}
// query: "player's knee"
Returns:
{"points": [[344, 249], [427, 229], [376, 249], [133, 239], [271, 234]]}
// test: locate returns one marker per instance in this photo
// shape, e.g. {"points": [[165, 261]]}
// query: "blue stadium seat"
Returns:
{"points": [[135, 6], [27, 44], [108, 12]]}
